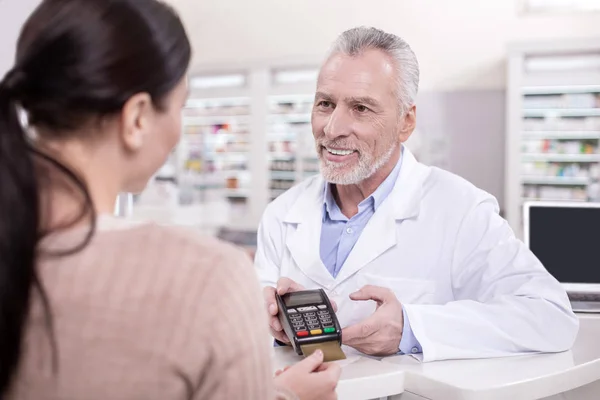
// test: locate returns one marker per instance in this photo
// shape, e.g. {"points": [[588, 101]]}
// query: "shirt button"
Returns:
{"points": [[414, 350], [349, 231]]}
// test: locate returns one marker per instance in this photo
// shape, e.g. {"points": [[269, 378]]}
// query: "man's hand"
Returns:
{"points": [[284, 285], [380, 334]]}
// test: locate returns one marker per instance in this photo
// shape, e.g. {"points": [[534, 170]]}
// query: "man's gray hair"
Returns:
{"points": [[355, 41]]}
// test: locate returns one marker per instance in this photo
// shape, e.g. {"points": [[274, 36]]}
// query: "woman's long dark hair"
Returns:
{"points": [[77, 61]]}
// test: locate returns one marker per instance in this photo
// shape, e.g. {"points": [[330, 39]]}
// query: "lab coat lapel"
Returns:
{"points": [[380, 233], [304, 240]]}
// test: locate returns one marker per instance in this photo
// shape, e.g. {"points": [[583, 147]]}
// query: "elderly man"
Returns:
{"points": [[417, 260]]}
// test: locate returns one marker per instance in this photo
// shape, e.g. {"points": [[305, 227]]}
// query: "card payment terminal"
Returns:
{"points": [[310, 323]]}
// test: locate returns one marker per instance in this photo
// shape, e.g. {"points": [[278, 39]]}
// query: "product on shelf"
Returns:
{"points": [[551, 193], [565, 124], [553, 169], [232, 183], [283, 165], [215, 147], [282, 146], [559, 146], [561, 101], [289, 126]]}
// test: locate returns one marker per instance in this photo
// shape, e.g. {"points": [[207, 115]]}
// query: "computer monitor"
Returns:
{"points": [[565, 236]]}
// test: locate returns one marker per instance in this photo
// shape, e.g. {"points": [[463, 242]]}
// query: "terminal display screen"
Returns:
{"points": [[302, 298]]}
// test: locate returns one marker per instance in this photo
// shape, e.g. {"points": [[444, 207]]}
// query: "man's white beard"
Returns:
{"points": [[366, 168]]}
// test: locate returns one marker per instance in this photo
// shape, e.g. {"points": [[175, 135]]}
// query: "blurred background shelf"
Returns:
{"points": [[216, 145], [246, 139], [555, 180], [560, 89], [576, 158], [553, 121], [285, 175], [529, 199], [289, 134], [562, 112], [565, 135]]}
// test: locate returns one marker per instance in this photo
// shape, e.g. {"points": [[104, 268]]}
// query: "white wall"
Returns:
{"points": [[460, 43], [12, 15], [470, 126]]}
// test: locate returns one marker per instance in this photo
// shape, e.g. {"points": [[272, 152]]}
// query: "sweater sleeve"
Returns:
{"points": [[239, 365]]}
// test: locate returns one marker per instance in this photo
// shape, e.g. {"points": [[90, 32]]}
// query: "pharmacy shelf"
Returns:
{"points": [[244, 134], [216, 120], [561, 135], [282, 156], [237, 193], [283, 136], [555, 180], [215, 152], [290, 118], [289, 122], [283, 175], [550, 96], [229, 154], [233, 172], [561, 112], [528, 199], [292, 98], [218, 137], [564, 80], [193, 103], [575, 158], [560, 89]]}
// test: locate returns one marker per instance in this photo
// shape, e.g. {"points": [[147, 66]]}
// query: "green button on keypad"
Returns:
{"points": [[329, 330]]}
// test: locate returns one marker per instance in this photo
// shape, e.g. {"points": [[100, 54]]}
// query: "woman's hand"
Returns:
{"points": [[311, 379]]}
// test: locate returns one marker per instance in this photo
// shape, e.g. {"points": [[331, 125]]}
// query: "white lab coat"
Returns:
{"points": [[470, 288]]}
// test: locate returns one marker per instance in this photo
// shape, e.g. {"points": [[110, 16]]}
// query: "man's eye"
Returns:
{"points": [[324, 104], [361, 109]]}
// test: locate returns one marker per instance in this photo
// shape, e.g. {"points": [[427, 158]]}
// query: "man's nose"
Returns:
{"points": [[338, 124]]}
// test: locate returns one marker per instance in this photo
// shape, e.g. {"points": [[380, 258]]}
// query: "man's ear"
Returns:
{"points": [[408, 123], [135, 119]]}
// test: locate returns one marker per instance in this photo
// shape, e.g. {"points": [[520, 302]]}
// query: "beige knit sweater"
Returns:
{"points": [[148, 312]]}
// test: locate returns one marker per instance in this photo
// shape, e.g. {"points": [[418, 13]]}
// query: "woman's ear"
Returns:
{"points": [[408, 123], [135, 121]]}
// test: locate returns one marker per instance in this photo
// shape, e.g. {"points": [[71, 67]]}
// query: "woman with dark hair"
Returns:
{"points": [[92, 307]]}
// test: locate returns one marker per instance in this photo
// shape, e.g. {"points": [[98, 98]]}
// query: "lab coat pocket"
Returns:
{"points": [[407, 291]]}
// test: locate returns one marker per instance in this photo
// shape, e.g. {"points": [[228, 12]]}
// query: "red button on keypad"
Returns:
{"points": [[302, 333]]}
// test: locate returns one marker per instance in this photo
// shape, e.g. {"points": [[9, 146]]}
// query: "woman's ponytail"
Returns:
{"points": [[19, 223]]}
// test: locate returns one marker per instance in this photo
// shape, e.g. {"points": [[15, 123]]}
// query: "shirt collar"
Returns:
{"points": [[332, 210], [380, 194], [386, 187]]}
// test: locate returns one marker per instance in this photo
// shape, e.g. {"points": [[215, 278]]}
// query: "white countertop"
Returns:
{"points": [[514, 378], [521, 377]]}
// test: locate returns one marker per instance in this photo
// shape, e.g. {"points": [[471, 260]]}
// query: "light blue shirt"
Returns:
{"points": [[339, 234]]}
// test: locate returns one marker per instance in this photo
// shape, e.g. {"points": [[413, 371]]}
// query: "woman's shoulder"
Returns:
{"points": [[176, 263], [183, 243]]}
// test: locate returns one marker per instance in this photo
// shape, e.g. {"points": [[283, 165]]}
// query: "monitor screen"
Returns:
{"points": [[566, 239]]}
